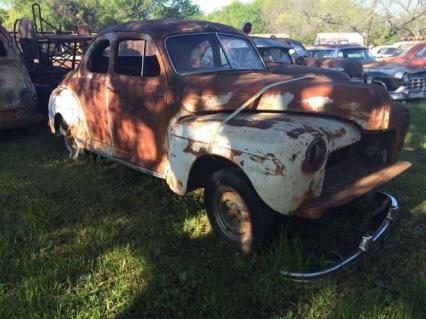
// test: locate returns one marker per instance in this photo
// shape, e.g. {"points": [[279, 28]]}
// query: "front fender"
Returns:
{"points": [[269, 147]]}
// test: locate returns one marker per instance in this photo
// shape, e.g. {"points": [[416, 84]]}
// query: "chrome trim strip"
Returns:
{"points": [[365, 245]]}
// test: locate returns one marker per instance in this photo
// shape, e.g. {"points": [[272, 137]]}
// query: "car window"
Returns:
{"points": [[99, 59], [3, 51], [300, 51], [421, 53], [210, 52], [277, 55], [129, 58], [359, 54], [322, 53], [136, 57], [240, 53]]}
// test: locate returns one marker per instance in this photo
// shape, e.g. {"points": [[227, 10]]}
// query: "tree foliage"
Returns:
{"points": [[236, 13], [381, 20], [97, 14]]}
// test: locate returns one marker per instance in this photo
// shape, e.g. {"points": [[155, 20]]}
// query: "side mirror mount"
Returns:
{"points": [[247, 27], [300, 60]]}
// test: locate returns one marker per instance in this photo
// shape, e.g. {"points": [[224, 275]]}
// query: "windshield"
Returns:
{"points": [[322, 53], [212, 52], [277, 55], [359, 54]]}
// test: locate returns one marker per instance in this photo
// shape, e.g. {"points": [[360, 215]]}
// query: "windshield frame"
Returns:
{"points": [[221, 46]]}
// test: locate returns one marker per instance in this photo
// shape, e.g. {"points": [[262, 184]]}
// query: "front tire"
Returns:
{"points": [[236, 212]]}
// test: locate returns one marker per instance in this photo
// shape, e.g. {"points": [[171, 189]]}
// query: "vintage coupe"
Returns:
{"points": [[18, 98], [192, 102]]}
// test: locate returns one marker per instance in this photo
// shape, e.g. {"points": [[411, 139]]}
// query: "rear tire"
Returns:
{"points": [[236, 212]]}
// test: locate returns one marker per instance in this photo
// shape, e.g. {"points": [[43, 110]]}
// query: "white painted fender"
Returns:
{"points": [[64, 101], [270, 148]]}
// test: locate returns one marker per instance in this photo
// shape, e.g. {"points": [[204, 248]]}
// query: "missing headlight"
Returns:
{"points": [[315, 155]]}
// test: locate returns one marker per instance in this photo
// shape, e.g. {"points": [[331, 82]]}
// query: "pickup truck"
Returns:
{"points": [[193, 103], [18, 98]]}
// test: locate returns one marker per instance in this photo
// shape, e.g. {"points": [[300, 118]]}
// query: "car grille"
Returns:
{"points": [[417, 83]]}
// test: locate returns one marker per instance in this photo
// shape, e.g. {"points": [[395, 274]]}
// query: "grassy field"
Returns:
{"points": [[92, 239]]}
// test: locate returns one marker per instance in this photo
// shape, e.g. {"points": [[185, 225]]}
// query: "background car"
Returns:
{"points": [[18, 98], [345, 51], [404, 77], [282, 52]]}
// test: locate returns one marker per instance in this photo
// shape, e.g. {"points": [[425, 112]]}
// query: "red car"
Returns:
{"points": [[415, 57]]}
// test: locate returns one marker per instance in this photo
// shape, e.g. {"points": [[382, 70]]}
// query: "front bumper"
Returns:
{"points": [[387, 206], [403, 93]]}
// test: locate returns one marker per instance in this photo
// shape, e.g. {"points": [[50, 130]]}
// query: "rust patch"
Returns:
{"points": [[190, 149]]}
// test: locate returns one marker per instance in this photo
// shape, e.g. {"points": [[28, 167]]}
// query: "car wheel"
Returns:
{"points": [[69, 143], [236, 212]]}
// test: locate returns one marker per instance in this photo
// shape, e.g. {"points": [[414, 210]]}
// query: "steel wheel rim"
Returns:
{"points": [[232, 214]]}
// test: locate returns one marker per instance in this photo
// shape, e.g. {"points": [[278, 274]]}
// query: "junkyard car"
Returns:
{"points": [[18, 99], [276, 54], [192, 102], [345, 51], [404, 76]]}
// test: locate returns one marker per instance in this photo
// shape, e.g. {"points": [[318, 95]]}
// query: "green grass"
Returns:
{"points": [[92, 239]]}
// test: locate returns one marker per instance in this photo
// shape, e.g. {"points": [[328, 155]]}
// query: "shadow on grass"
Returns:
{"points": [[95, 239]]}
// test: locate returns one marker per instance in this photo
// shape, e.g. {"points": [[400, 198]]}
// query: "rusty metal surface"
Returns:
{"points": [[18, 100], [300, 70], [343, 185], [367, 106], [163, 125]]}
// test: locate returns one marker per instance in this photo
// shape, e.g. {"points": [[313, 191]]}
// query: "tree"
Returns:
{"points": [[236, 13], [3, 16], [97, 14]]}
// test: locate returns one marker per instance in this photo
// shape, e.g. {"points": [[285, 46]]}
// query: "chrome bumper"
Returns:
{"points": [[403, 93], [368, 242]]}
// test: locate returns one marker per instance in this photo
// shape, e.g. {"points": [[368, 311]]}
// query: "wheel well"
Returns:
{"points": [[204, 167], [58, 120]]}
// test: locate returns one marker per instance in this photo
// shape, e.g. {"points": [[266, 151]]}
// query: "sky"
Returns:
{"points": [[208, 6]]}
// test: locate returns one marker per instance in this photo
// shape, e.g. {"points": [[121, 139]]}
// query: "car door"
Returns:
{"points": [[91, 89], [137, 102]]}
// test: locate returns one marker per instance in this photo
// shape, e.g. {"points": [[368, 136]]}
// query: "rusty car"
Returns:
{"points": [[403, 76], [193, 103], [18, 98]]}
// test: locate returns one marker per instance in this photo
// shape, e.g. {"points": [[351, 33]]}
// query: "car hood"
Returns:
{"points": [[390, 68], [367, 106], [351, 67], [300, 70]]}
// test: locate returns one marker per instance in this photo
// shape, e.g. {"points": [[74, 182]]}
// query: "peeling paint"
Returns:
{"points": [[317, 103]]}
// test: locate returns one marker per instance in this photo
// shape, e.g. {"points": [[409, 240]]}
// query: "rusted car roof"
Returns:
{"points": [[160, 28]]}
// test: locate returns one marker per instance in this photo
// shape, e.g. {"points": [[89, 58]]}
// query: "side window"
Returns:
{"points": [[3, 51], [421, 53], [136, 57], [99, 60]]}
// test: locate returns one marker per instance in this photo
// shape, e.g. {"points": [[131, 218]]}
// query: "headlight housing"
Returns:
{"points": [[315, 155], [399, 74], [369, 79]]}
